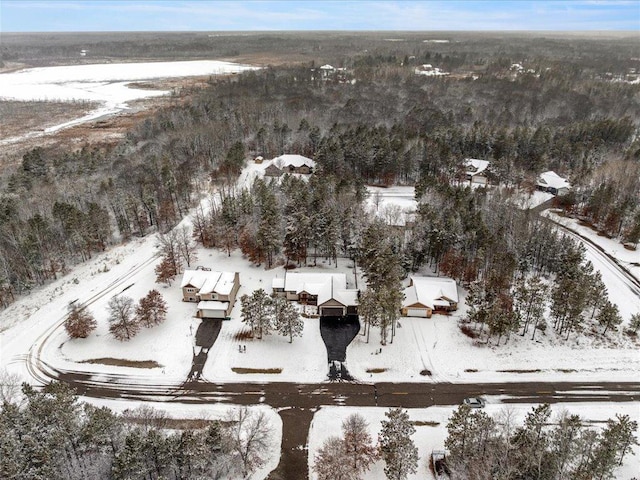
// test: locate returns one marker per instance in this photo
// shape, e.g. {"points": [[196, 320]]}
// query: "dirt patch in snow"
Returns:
{"points": [[119, 362], [246, 371]]}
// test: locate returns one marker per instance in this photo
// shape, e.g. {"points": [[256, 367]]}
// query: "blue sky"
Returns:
{"points": [[223, 15]]}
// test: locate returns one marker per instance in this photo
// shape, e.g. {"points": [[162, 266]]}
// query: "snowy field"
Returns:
{"points": [[328, 421], [107, 84]]}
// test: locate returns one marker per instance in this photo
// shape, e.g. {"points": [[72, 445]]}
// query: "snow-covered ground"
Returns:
{"points": [[103, 83], [431, 430], [434, 344], [395, 205], [532, 200]]}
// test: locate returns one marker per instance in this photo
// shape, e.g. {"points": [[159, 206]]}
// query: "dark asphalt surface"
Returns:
{"points": [[206, 336], [337, 333]]}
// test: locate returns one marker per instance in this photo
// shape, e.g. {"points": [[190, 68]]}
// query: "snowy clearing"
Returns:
{"points": [[328, 421], [103, 83]]}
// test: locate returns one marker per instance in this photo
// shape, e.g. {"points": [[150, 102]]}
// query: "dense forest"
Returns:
{"points": [[384, 126]]}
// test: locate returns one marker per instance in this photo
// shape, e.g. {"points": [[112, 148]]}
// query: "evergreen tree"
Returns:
{"points": [[634, 323], [369, 310], [396, 447], [129, 463], [257, 312], [609, 316], [286, 319], [529, 298]]}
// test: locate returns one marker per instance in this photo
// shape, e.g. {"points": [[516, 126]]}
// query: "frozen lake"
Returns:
{"points": [[107, 84]]}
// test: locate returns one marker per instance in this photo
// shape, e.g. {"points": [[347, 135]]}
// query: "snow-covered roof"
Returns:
{"points": [[198, 278], [431, 292], [553, 180], [212, 305], [326, 286], [225, 283], [293, 160], [475, 166], [336, 289], [207, 281]]}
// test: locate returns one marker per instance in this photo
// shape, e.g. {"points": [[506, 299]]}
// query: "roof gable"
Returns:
{"points": [[430, 291]]}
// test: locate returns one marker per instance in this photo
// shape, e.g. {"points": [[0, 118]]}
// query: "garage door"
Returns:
{"points": [[331, 311], [212, 313], [416, 312]]}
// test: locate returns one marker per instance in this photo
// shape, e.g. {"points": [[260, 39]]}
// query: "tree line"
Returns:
{"points": [[50, 435], [481, 446]]}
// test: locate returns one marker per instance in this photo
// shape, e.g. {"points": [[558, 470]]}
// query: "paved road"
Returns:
{"points": [[297, 402]]}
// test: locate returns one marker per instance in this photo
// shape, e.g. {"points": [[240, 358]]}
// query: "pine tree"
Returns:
{"points": [[151, 310], [369, 310], [286, 319], [532, 441], [396, 447], [79, 323], [529, 302], [123, 323], [609, 316], [257, 312], [129, 463], [634, 323]]}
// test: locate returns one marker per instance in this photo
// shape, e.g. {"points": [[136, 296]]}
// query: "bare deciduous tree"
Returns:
{"points": [[250, 435]]}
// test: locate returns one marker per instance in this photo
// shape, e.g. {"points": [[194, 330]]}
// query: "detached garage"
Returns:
{"points": [[212, 309]]}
